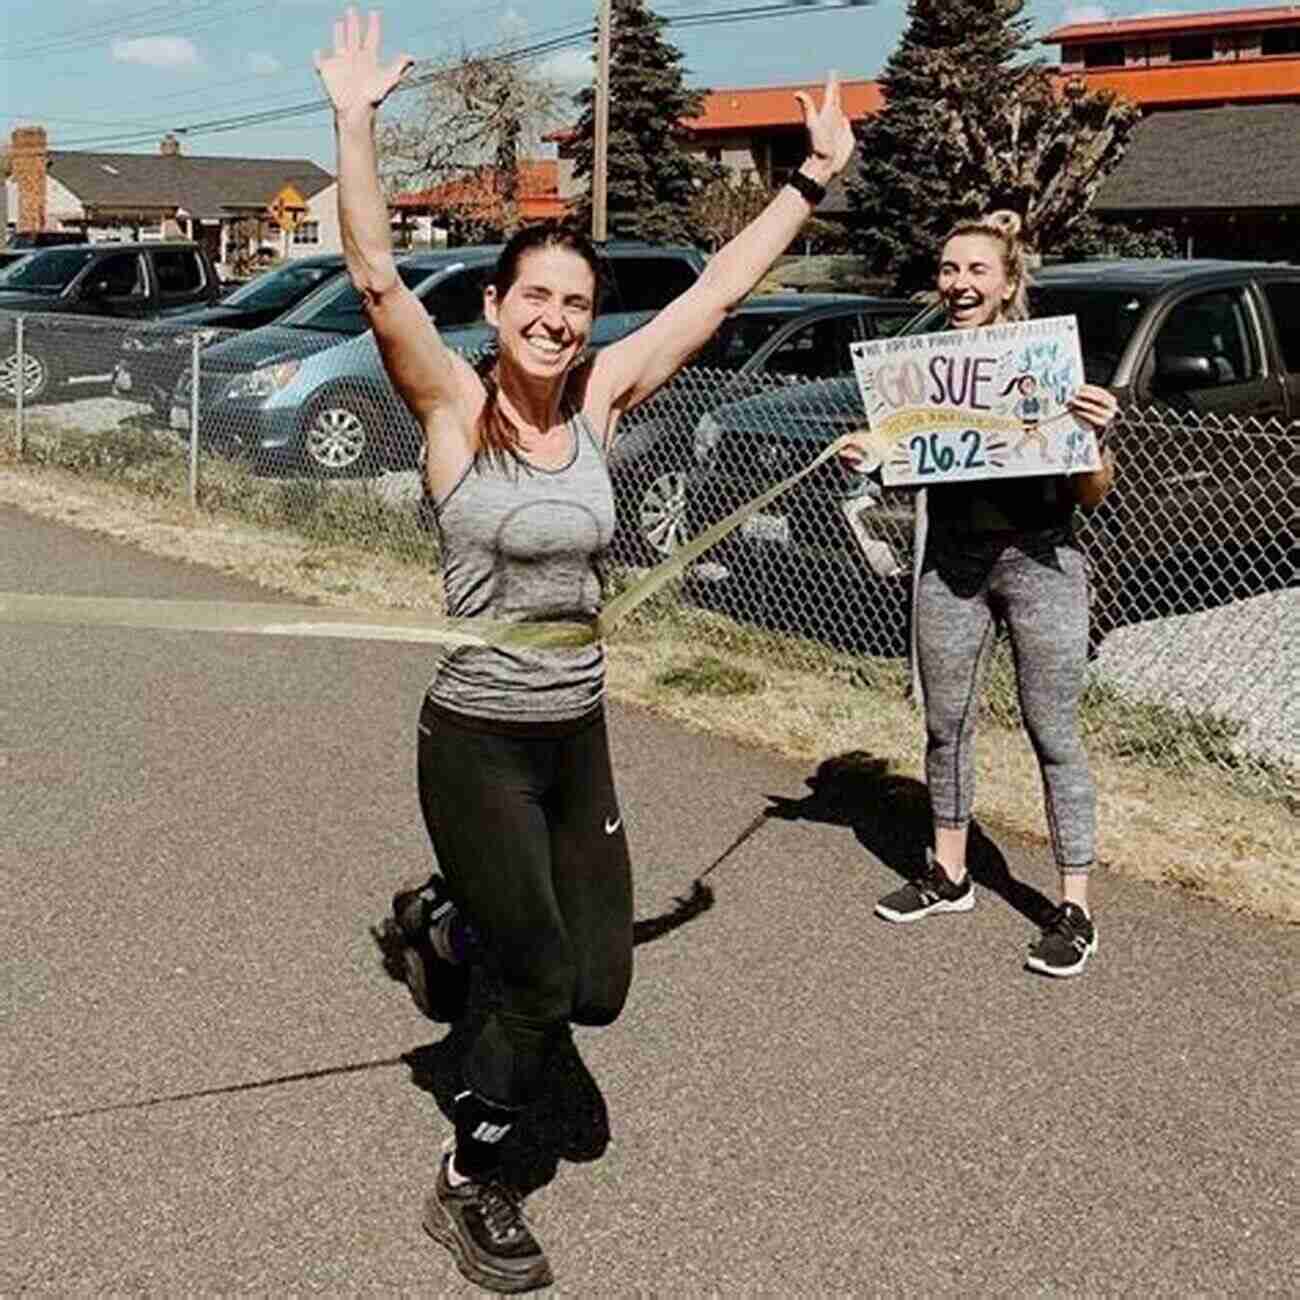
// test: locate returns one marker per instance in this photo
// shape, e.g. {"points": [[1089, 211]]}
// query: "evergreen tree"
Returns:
{"points": [[971, 124], [652, 180]]}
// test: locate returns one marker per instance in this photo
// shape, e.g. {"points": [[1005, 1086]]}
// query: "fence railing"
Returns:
{"points": [[1195, 610]]}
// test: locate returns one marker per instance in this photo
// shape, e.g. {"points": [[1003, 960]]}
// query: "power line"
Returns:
{"points": [[431, 74], [304, 78], [207, 12], [570, 40]]}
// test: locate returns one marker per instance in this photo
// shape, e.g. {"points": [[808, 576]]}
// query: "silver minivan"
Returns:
{"points": [[309, 394]]}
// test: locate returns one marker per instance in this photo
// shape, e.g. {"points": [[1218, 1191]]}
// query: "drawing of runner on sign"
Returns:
{"points": [[976, 403]]}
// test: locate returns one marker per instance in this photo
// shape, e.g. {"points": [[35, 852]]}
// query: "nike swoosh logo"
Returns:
{"points": [[612, 824]]}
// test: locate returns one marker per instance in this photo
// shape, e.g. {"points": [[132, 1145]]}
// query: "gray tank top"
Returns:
{"points": [[522, 544]]}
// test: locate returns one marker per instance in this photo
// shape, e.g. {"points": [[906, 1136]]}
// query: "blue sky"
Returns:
{"points": [[93, 69]]}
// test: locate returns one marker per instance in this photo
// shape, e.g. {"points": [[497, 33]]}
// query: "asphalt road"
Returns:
{"points": [[210, 1087]]}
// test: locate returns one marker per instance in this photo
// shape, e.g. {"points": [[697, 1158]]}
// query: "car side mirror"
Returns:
{"points": [[1178, 373]]}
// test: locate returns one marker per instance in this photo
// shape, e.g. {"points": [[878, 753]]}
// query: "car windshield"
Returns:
{"points": [[279, 288], [336, 308], [1107, 319], [50, 271], [740, 336]]}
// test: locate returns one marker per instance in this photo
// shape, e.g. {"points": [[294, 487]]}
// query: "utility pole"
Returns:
{"points": [[600, 158]]}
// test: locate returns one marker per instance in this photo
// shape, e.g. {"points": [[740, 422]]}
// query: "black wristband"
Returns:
{"points": [[808, 187]]}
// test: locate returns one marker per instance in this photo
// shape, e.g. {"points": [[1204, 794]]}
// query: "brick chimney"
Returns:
{"points": [[169, 146], [27, 156]]}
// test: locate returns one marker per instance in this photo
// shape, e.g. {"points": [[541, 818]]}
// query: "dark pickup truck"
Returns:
{"points": [[1205, 507], [75, 300]]}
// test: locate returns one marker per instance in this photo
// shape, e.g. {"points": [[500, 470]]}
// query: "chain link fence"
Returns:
{"points": [[1195, 656]]}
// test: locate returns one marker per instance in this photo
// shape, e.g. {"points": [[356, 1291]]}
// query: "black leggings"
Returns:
{"points": [[527, 831]]}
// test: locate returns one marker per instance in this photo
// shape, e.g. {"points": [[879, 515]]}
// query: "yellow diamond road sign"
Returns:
{"points": [[288, 208]]}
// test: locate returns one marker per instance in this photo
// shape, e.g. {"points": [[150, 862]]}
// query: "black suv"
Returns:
{"points": [[121, 282], [1188, 525], [796, 336]]}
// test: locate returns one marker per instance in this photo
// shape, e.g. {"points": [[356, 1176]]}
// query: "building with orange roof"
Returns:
{"points": [[1177, 61], [479, 197], [1218, 155], [1178, 64]]}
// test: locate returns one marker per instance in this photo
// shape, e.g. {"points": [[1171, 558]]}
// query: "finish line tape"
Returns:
{"points": [[22, 608]]}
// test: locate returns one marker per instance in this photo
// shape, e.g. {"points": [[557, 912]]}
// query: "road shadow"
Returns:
{"points": [[890, 816], [569, 1119]]}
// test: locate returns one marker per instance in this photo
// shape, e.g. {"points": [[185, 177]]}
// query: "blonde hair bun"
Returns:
{"points": [[1006, 221]]}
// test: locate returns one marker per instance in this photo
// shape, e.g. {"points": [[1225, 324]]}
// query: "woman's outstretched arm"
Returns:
{"points": [[426, 373], [627, 372]]}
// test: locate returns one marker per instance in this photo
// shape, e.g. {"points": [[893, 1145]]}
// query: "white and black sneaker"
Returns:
{"points": [[1068, 939], [483, 1225], [930, 893]]}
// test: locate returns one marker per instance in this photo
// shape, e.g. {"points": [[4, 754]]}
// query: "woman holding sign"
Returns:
{"points": [[1003, 552], [514, 767]]}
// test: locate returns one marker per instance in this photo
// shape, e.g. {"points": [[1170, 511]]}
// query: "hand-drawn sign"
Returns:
{"points": [[972, 404]]}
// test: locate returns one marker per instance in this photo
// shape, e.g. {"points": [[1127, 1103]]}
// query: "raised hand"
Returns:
{"points": [[830, 136], [354, 78]]}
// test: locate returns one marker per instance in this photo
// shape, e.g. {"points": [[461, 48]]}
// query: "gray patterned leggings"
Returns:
{"points": [[1038, 589]]}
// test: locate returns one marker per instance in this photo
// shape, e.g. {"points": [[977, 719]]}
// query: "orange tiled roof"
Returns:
{"points": [[1226, 81], [1222, 81], [745, 108], [1238, 20], [538, 193]]}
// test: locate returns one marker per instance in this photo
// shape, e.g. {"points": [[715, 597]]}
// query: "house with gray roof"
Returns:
{"points": [[1227, 179], [235, 206]]}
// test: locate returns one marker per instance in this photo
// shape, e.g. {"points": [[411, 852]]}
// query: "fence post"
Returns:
{"points": [[20, 378], [194, 420]]}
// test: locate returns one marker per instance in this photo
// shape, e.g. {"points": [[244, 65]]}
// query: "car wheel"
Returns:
{"points": [[659, 510], [343, 435], [38, 376]]}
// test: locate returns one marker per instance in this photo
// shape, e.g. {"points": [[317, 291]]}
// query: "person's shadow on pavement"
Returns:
{"points": [[569, 1120], [890, 815]]}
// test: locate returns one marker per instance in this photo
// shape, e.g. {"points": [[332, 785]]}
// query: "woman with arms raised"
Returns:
{"points": [[514, 769]]}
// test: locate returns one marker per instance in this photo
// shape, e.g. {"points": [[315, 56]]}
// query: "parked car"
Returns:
{"points": [[153, 356], [11, 257], [309, 392], [66, 294], [47, 238], [1206, 337], [797, 336]]}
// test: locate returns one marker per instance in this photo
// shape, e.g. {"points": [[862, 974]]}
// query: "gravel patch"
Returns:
{"points": [[1195, 661]]}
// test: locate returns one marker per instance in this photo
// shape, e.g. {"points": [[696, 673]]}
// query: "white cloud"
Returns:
{"points": [[1084, 14], [512, 25], [569, 67], [263, 64], [157, 51]]}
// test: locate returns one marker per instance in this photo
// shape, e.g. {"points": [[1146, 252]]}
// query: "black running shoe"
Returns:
{"points": [[483, 1226], [929, 893], [439, 988], [1069, 938]]}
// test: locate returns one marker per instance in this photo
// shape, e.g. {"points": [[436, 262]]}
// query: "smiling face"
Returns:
{"points": [[973, 281], [543, 320]]}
